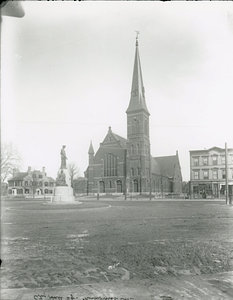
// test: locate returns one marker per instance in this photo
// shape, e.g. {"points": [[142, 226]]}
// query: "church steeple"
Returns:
{"points": [[138, 137], [91, 150], [137, 100]]}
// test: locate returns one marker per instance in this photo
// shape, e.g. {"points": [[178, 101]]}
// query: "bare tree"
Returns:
{"points": [[73, 171], [34, 182], [10, 159], [162, 177]]}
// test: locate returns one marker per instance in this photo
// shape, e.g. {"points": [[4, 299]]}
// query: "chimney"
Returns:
{"points": [[29, 170], [15, 171], [176, 152], [43, 171]]}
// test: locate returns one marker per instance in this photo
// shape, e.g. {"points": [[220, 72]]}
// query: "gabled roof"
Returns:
{"points": [[154, 166], [51, 179], [23, 175], [167, 164], [113, 138], [19, 176], [122, 140], [137, 100]]}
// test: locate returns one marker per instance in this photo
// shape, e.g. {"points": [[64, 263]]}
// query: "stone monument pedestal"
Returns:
{"points": [[64, 191], [63, 194]]}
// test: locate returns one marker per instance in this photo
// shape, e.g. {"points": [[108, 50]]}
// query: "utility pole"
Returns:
{"points": [[125, 174], [226, 172], [150, 171]]}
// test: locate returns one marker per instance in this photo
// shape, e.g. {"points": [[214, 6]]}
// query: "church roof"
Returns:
{"points": [[122, 140], [154, 166], [137, 100], [111, 139], [167, 164]]}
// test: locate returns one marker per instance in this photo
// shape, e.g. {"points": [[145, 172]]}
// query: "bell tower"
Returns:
{"points": [[138, 140]]}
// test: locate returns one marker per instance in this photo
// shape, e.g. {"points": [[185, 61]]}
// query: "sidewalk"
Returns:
{"points": [[122, 198]]}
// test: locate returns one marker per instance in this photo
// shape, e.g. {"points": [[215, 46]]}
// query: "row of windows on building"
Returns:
{"points": [[110, 167], [136, 172], [215, 174], [135, 149], [110, 164], [207, 160], [27, 191], [31, 183], [155, 187]]}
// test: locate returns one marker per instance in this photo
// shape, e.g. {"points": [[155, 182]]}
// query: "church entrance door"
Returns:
{"points": [[102, 187], [119, 186], [135, 186]]}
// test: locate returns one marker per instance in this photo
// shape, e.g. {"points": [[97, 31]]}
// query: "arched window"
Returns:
{"points": [[110, 165], [119, 186], [46, 183], [130, 129], [136, 125], [102, 187], [146, 127], [132, 171], [135, 186], [132, 149], [137, 148]]}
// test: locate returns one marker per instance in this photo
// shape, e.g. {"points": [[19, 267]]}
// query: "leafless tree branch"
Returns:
{"points": [[10, 159]]}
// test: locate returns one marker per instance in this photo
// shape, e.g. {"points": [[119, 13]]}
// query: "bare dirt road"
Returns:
{"points": [[117, 249]]}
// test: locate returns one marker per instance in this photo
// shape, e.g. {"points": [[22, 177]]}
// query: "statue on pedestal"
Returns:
{"points": [[63, 158], [63, 191], [61, 179]]}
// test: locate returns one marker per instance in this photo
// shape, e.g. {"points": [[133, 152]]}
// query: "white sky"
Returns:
{"points": [[67, 72]]}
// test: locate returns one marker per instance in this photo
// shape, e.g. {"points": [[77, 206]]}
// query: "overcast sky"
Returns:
{"points": [[67, 73]]}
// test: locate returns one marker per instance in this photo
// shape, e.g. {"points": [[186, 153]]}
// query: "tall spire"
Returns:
{"points": [[91, 150], [137, 100]]}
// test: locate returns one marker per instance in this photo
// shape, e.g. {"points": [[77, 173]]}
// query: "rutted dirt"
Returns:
{"points": [[158, 249]]}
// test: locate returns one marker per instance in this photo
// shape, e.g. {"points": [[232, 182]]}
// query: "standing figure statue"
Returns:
{"points": [[63, 158]]}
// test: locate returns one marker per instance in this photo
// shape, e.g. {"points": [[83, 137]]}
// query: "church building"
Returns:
{"points": [[126, 165]]}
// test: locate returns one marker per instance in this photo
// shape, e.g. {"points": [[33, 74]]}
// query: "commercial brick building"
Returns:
{"points": [[208, 172]]}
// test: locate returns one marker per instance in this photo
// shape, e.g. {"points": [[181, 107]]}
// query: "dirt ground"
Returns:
{"points": [[117, 249]]}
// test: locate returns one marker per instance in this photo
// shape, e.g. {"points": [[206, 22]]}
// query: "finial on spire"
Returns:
{"points": [[137, 34]]}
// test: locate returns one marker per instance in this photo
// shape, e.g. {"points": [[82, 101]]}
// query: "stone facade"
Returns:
{"points": [[125, 165]]}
